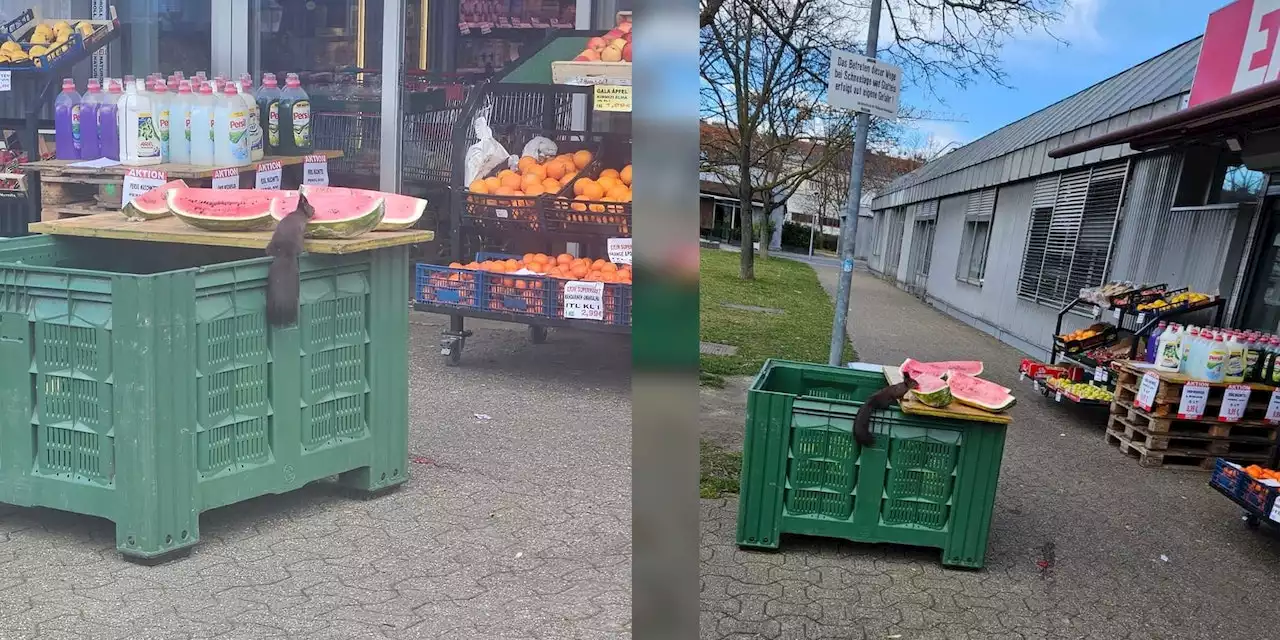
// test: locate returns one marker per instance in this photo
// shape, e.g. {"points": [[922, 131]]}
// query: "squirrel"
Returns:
{"points": [[283, 286], [881, 399]]}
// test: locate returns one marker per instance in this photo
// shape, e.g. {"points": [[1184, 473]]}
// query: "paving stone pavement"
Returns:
{"points": [[1076, 545], [513, 527]]}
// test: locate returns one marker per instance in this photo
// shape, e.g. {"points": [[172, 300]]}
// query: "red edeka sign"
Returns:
{"points": [[1240, 50]]}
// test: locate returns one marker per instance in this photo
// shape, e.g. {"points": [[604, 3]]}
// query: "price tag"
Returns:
{"points": [[584, 300], [1142, 318], [620, 250], [1115, 314], [1100, 373], [486, 27], [1097, 312], [464, 28], [140, 181], [315, 170], [1194, 397], [1058, 396], [1234, 400], [1273, 408], [269, 175], [1275, 511], [615, 98], [1022, 375], [501, 213], [6, 80], [228, 178], [1147, 391]]}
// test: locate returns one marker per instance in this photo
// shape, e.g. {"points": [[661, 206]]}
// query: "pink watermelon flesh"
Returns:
{"points": [[152, 204], [927, 383], [940, 369], [932, 390], [223, 209], [400, 211], [338, 212], [979, 393]]}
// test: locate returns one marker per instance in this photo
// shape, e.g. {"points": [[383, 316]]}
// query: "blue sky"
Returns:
{"points": [[1105, 37]]}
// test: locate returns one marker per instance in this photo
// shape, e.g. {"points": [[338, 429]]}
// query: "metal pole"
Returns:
{"points": [[849, 228], [811, 237]]}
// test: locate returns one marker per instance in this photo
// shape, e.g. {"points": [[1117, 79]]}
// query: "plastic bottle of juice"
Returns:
{"points": [[1235, 360], [295, 119], [66, 122], [90, 141], [180, 125], [1168, 350], [160, 102], [108, 121], [269, 113], [245, 94], [1153, 341], [230, 129], [202, 127], [140, 135]]}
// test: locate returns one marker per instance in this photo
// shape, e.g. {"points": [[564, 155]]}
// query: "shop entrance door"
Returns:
{"points": [[1262, 296]]}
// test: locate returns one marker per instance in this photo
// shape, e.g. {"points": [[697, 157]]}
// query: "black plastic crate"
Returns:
{"points": [[15, 212]]}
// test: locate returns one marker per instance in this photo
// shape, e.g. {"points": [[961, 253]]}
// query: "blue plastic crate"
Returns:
{"points": [[1228, 477], [442, 285], [617, 302]]}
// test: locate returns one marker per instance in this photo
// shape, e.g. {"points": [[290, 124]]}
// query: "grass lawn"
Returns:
{"points": [[720, 470], [802, 332]]}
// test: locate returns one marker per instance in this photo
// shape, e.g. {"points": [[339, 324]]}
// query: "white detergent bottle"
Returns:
{"points": [[160, 102], [230, 129], [180, 125], [1234, 372], [1189, 340], [140, 137], [1215, 363], [202, 127], [1169, 350], [1199, 352], [256, 145]]}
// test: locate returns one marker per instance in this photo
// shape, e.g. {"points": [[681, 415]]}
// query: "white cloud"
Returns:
{"points": [[1078, 27]]}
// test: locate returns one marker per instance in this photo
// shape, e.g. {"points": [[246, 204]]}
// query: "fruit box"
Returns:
{"points": [[1106, 334], [1037, 370], [530, 295], [85, 35], [1258, 496]]}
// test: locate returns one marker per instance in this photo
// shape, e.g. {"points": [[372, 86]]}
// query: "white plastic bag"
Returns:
{"points": [[485, 155], [540, 148]]}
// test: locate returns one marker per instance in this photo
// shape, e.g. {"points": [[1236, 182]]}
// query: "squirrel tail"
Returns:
{"points": [[282, 291]]}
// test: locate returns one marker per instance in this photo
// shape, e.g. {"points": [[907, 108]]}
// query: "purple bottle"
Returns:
{"points": [[1153, 341], [90, 149], [66, 121], [108, 124]]}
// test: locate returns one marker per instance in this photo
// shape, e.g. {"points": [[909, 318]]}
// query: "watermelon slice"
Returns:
{"points": [[153, 204], [337, 212], [940, 369], [979, 393], [226, 209], [402, 212], [932, 390]]}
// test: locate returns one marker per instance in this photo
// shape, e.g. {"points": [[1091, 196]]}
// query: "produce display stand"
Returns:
{"points": [[1256, 498], [1161, 437], [1129, 322], [517, 106], [927, 481], [143, 384], [80, 191]]}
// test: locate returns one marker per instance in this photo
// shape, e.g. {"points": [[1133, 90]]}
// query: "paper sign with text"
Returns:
{"points": [[228, 178], [6, 80], [315, 170], [1234, 401], [584, 300], [1100, 374], [1147, 391], [620, 250], [863, 84], [615, 98], [268, 176], [1275, 511], [1273, 408], [140, 181], [1195, 395]]}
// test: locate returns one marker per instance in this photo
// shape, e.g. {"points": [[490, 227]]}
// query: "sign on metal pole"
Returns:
{"points": [[863, 84]]}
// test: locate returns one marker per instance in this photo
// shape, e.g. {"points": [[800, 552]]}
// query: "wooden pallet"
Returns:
{"points": [[1190, 444], [1255, 431], [1171, 458], [1169, 394], [69, 192]]}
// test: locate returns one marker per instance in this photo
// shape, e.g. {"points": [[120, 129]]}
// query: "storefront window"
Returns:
{"points": [[1238, 183], [162, 36]]}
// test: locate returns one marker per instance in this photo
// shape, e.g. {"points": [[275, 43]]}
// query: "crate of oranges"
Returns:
{"points": [[512, 198], [447, 286], [599, 205]]}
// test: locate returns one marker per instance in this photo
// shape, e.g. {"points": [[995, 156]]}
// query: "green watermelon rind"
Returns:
{"points": [[937, 398], [361, 223], [257, 222], [961, 397], [133, 211], [419, 208]]}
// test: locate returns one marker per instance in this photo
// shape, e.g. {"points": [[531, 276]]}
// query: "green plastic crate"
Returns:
{"points": [[145, 386], [926, 482]]}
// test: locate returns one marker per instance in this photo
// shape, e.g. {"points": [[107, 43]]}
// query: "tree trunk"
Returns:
{"points": [[747, 268]]}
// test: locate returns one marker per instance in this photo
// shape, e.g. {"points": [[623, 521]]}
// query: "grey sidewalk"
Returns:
{"points": [[1102, 526], [516, 526]]}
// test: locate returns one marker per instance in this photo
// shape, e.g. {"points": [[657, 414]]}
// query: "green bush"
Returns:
{"points": [[797, 236]]}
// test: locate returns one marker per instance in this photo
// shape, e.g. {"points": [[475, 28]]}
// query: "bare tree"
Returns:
{"points": [[830, 190], [764, 70]]}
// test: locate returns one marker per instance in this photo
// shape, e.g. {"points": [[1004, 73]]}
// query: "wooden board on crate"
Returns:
{"points": [[1172, 458], [171, 229], [955, 410]]}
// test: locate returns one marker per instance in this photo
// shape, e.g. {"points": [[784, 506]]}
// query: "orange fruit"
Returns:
{"points": [[512, 265], [526, 162], [625, 175], [597, 265], [555, 169], [536, 170], [551, 186], [591, 189], [580, 271], [609, 173], [581, 159], [564, 258], [609, 267], [579, 206], [493, 183], [498, 267], [473, 265], [528, 179], [608, 182], [504, 191], [534, 190], [478, 186], [455, 265], [540, 257], [528, 257], [510, 180], [619, 193], [568, 177], [598, 208], [504, 173]]}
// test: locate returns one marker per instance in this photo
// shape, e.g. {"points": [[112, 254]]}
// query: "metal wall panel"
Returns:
{"points": [[1140, 238]]}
